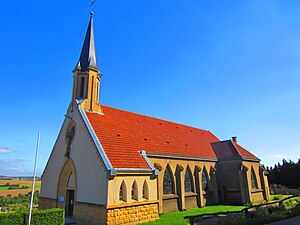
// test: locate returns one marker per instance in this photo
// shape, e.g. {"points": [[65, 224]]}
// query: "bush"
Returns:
{"points": [[18, 207], [38, 217], [47, 217], [11, 218]]}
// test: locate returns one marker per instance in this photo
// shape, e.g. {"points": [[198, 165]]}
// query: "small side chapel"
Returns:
{"points": [[110, 166]]}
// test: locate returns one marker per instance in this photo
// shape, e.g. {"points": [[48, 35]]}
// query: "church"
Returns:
{"points": [[110, 166]]}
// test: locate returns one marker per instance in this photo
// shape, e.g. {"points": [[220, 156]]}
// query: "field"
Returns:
{"points": [[15, 192]]}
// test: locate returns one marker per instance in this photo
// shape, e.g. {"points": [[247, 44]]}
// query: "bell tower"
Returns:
{"points": [[87, 76]]}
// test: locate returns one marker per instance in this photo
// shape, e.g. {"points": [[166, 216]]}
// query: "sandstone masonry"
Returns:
{"points": [[132, 214]]}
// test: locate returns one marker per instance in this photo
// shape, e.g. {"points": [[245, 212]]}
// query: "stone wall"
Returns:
{"points": [[133, 214], [89, 214], [170, 203], [257, 195], [191, 201], [46, 203]]}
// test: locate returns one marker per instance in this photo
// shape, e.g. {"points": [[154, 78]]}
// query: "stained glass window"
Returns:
{"points": [[168, 181], [253, 180], [204, 181], [188, 181]]}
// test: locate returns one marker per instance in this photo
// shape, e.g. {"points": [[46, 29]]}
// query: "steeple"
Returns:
{"points": [[88, 53], [87, 76]]}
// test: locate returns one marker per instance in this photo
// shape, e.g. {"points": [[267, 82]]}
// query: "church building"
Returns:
{"points": [[110, 166]]}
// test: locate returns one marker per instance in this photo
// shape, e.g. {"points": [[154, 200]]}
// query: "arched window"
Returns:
{"points": [[134, 191], [204, 180], [122, 192], [168, 181], [81, 94], [71, 181], [188, 181], [145, 190], [253, 180]]}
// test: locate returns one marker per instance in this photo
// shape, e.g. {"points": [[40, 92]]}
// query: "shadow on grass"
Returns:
{"points": [[177, 218]]}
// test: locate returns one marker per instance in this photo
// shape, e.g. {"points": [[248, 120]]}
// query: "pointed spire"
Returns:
{"points": [[88, 53]]}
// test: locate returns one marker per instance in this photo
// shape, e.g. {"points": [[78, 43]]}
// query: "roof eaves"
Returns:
{"points": [[250, 159], [133, 171], [150, 170], [178, 156], [230, 158], [107, 163]]}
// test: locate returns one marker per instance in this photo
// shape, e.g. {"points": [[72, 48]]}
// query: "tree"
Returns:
{"points": [[287, 174]]}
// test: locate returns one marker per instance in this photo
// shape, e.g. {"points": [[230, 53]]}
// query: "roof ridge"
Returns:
{"points": [[237, 146], [152, 117], [221, 141], [123, 134]]}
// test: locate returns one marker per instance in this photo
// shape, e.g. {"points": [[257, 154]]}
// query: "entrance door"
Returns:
{"points": [[70, 196]]}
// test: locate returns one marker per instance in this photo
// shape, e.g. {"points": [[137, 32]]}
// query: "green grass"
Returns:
{"points": [[278, 197], [5, 188], [177, 218], [35, 186]]}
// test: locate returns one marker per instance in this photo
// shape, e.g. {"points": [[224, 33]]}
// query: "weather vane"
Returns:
{"points": [[92, 6]]}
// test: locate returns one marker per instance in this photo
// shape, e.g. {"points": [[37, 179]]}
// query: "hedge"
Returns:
{"points": [[11, 218], [38, 217]]}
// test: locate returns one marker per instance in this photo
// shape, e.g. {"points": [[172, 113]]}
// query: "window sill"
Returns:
{"points": [[190, 194], [169, 196], [256, 190]]}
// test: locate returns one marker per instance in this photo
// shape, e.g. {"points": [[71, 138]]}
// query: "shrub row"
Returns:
{"points": [[11, 218], [40, 217]]}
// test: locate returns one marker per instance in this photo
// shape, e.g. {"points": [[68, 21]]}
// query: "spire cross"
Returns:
{"points": [[92, 6]]}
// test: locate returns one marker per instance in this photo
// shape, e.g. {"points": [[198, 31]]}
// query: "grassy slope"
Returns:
{"points": [[176, 218]]}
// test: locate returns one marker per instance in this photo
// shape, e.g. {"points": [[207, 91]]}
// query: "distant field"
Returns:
{"points": [[15, 192]]}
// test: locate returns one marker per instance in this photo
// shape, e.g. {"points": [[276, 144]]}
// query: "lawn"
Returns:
{"points": [[278, 197], [177, 218]]}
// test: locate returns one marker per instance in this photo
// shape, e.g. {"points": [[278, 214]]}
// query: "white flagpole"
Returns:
{"points": [[34, 174]]}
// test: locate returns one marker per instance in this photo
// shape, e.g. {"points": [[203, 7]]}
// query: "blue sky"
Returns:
{"points": [[231, 67]]}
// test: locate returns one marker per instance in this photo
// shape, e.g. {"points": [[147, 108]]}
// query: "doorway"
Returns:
{"points": [[69, 207]]}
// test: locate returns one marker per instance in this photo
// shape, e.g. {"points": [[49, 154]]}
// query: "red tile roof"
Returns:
{"points": [[243, 152], [230, 149], [122, 134]]}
